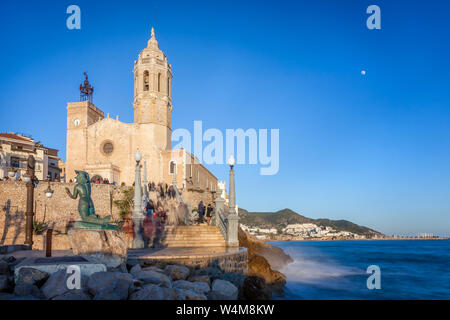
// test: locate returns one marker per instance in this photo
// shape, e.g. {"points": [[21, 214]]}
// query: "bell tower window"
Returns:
{"points": [[146, 81], [159, 82], [168, 86]]}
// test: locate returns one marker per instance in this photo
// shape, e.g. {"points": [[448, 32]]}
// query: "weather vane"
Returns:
{"points": [[86, 90]]}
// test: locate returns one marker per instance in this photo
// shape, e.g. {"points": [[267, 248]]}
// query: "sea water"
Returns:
{"points": [[324, 270]]}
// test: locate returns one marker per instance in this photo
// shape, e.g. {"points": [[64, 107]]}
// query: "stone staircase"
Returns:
{"points": [[193, 236]]}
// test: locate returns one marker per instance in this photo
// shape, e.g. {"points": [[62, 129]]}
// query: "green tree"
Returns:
{"points": [[125, 204]]}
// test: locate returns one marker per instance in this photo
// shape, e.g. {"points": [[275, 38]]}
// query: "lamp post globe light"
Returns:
{"points": [[49, 191], [231, 161], [138, 156]]}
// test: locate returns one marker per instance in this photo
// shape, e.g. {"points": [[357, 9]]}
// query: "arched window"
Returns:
{"points": [[168, 86], [146, 81], [159, 82]]}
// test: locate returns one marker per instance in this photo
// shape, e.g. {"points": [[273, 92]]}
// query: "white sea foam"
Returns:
{"points": [[313, 268]]}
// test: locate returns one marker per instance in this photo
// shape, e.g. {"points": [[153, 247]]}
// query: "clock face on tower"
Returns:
{"points": [[76, 122]]}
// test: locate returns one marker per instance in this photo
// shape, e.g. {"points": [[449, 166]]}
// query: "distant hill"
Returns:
{"points": [[282, 218]]}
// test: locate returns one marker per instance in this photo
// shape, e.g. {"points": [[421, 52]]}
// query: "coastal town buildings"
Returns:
{"points": [[14, 152], [304, 230]]}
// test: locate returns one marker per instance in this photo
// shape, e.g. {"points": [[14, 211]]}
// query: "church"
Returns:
{"points": [[105, 147]]}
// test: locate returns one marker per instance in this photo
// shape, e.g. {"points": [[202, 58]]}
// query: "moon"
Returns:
{"points": [[363, 72]]}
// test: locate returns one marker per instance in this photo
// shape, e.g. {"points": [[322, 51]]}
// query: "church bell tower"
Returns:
{"points": [[152, 86]]}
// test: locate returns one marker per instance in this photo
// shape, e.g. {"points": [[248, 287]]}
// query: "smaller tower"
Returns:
{"points": [[86, 90], [80, 115]]}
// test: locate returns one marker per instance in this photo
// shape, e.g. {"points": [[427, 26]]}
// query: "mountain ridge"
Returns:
{"points": [[280, 219]]}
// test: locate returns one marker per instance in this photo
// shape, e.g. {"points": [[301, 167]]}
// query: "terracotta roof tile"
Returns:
{"points": [[13, 136]]}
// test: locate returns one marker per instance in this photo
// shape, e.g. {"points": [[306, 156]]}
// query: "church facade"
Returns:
{"points": [[105, 147]]}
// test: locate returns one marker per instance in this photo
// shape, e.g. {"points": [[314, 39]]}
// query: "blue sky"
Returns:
{"points": [[372, 149]]}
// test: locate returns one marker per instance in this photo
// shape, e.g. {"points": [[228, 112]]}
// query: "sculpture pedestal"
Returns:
{"points": [[106, 246], [93, 226]]}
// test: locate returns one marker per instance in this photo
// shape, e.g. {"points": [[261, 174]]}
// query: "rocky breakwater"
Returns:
{"points": [[174, 282], [264, 261]]}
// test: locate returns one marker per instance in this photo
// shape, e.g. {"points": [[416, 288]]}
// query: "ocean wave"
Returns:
{"points": [[306, 269]]}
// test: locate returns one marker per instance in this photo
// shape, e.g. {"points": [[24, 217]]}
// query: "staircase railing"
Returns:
{"points": [[222, 222]]}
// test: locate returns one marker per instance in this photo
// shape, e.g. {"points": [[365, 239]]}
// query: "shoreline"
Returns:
{"points": [[384, 239]]}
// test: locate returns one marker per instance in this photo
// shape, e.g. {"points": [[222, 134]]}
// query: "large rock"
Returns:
{"points": [[184, 294], [135, 269], [4, 283], [153, 268], [177, 272], [28, 282], [154, 292], [56, 285], [200, 287], [264, 260], [223, 290], [110, 285], [119, 290], [255, 288], [258, 266], [200, 278], [31, 276], [4, 268], [153, 277], [73, 295], [106, 246], [26, 289], [275, 256]]}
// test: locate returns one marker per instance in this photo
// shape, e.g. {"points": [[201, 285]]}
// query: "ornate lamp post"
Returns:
{"points": [[48, 245], [232, 203], [137, 216], [233, 218], [145, 183], [30, 201]]}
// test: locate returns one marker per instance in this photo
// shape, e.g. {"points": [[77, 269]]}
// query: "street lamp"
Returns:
{"points": [[137, 215], [49, 191], [145, 199], [232, 218], [31, 163], [232, 204]]}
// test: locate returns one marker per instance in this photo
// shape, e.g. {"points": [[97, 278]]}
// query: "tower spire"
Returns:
{"points": [[152, 43]]}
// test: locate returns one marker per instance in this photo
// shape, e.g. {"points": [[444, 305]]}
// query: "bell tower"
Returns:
{"points": [[153, 87]]}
